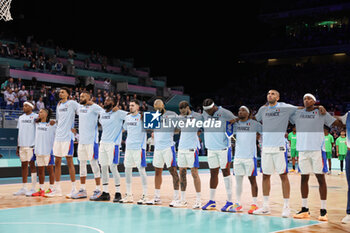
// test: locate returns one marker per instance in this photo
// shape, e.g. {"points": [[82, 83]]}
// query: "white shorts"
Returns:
{"points": [[45, 160], [220, 158], [188, 158], [63, 149], [135, 158], [245, 167], [108, 154], [274, 162], [167, 156], [26, 154], [312, 162], [87, 151]]}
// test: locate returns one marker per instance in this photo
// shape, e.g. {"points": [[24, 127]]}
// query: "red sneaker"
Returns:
{"points": [[40, 193]]}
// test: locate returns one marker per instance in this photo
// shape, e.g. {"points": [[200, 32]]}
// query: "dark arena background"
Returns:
{"points": [[235, 54]]}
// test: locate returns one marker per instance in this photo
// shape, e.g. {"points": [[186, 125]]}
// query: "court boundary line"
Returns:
{"points": [[292, 228], [49, 223]]}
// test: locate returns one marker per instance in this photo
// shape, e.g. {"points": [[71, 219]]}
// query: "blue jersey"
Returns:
{"points": [[112, 126], [245, 132], [65, 114], [88, 129], [26, 129], [44, 138], [164, 138], [216, 139], [136, 135]]}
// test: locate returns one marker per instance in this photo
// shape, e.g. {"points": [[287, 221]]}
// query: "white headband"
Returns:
{"points": [[28, 103], [208, 107], [244, 107], [310, 95]]}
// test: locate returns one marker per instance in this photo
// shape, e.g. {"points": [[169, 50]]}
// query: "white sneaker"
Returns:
{"points": [[30, 192], [180, 204], [286, 212], [174, 202], [346, 219], [197, 204], [20, 192], [54, 193], [155, 201], [143, 200], [127, 199], [262, 211], [69, 195]]}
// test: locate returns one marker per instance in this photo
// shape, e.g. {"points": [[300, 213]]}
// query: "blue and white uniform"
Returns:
{"points": [[112, 127], [274, 120], [64, 138], [164, 149], [216, 140], [245, 163], [135, 153], [88, 132], [26, 136], [188, 149], [310, 139], [44, 139]]}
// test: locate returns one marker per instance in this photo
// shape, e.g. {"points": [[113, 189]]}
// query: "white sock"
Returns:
{"points": [[212, 194], [52, 186], [24, 185], [286, 203], [105, 188], [143, 175], [323, 204], [228, 186], [157, 193], [266, 201], [33, 180], [41, 186], [183, 193], [198, 196], [82, 186], [255, 200], [128, 177], [304, 202], [239, 188], [58, 185], [98, 187], [117, 188], [74, 185], [176, 194]]}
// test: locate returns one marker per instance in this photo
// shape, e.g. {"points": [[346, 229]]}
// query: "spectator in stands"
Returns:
{"points": [[99, 99], [48, 65], [41, 63], [33, 64], [9, 98], [52, 98], [107, 84], [144, 106], [118, 100], [57, 51], [23, 95], [71, 53], [11, 84], [87, 63], [19, 83], [16, 101], [40, 104], [150, 143], [58, 66]]}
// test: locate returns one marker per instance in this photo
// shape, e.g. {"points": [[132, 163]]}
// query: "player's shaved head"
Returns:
{"points": [[273, 96], [159, 105]]}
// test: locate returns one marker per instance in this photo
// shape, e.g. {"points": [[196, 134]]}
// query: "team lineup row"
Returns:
{"points": [[54, 137]]}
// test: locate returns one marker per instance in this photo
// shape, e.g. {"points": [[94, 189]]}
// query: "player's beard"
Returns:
{"points": [[82, 102], [109, 106]]}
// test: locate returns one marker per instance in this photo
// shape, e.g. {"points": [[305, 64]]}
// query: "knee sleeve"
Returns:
{"points": [[82, 168], [95, 168]]}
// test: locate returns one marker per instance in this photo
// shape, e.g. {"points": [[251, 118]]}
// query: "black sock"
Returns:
{"points": [[293, 167], [341, 165]]}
